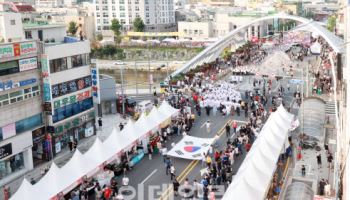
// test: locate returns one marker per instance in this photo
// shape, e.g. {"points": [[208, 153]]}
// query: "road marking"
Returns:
{"points": [[149, 176], [203, 124]]}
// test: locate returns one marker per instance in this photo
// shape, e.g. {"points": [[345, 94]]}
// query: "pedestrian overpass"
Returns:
{"points": [[239, 36]]}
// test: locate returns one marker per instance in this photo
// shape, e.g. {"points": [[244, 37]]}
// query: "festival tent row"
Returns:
{"points": [[58, 181], [255, 174]]}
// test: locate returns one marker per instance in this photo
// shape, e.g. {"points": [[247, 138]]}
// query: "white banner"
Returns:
{"points": [[191, 148], [28, 64]]}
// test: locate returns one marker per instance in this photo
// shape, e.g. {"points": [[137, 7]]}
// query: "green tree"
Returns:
{"points": [[99, 37], [116, 27], [138, 24], [72, 28], [331, 23]]}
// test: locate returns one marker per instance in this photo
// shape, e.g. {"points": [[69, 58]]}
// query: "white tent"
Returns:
{"points": [[256, 172], [157, 116], [49, 185], [24, 191], [62, 180], [316, 48], [166, 109], [191, 147], [146, 123]]}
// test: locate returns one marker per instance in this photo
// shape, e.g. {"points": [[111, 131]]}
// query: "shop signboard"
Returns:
{"points": [[47, 107], [74, 123], [5, 150], [38, 134], [9, 84], [70, 86], [28, 64], [71, 99], [89, 131], [58, 147], [45, 73], [28, 48], [6, 51], [95, 79], [8, 131]]}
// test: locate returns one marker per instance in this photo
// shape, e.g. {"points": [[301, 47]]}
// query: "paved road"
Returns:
{"points": [[151, 173]]}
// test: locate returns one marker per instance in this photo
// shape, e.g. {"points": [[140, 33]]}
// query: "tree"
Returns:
{"points": [[99, 37], [331, 23], [139, 26], [72, 28], [116, 27]]}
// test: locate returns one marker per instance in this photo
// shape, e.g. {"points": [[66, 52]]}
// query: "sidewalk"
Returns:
{"points": [[109, 122]]}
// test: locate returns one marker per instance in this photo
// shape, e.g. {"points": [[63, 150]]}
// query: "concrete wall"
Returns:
{"points": [[196, 29], [20, 110], [57, 33], [11, 32], [71, 74], [67, 49], [108, 88]]}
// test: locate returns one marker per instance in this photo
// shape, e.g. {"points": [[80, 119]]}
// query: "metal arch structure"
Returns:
{"points": [[213, 51]]}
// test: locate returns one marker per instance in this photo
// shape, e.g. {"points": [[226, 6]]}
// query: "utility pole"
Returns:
{"points": [[136, 78], [122, 88]]}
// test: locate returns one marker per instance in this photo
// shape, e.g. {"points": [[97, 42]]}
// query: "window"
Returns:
{"points": [[11, 165], [28, 123], [105, 8], [121, 1], [10, 67], [200, 32], [114, 15], [113, 7], [97, 7], [147, 8], [72, 109], [20, 95], [98, 15], [121, 8], [147, 21], [137, 15], [28, 34], [122, 14], [58, 65], [195, 31], [105, 14], [98, 21], [147, 14], [98, 28], [13, 22], [79, 60], [105, 21], [137, 8], [122, 21]]}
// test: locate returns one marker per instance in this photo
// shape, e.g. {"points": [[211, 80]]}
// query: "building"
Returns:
{"points": [[67, 93], [108, 94], [49, 3], [221, 25], [20, 99], [157, 15]]}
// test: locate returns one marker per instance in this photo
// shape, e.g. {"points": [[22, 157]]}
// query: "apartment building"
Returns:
{"points": [[157, 15]]}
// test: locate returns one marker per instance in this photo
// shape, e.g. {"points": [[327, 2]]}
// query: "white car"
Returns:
{"points": [[119, 62]]}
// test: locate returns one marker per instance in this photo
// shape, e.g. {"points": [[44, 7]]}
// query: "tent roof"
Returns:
{"points": [[261, 160]]}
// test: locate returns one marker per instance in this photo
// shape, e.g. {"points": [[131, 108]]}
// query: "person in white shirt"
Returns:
{"points": [[172, 172], [207, 124]]}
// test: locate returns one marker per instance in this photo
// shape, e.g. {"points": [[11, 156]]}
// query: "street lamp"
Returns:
{"points": [[121, 64]]}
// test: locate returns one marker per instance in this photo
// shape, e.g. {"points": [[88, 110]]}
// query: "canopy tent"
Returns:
{"points": [[61, 180], [166, 109], [24, 191], [191, 148], [255, 174], [316, 48]]}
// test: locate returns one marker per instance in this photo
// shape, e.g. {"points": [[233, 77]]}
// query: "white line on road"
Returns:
{"points": [[149, 176]]}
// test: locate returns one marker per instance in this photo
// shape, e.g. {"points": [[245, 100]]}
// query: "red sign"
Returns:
{"points": [[17, 49]]}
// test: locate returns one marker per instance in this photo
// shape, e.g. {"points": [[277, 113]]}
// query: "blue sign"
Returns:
{"points": [[295, 81], [7, 85], [27, 82]]}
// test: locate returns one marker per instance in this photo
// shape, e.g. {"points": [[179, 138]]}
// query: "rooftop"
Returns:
{"points": [[41, 25]]}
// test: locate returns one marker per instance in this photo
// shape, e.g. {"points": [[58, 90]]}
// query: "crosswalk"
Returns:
{"points": [[330, 108]]}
